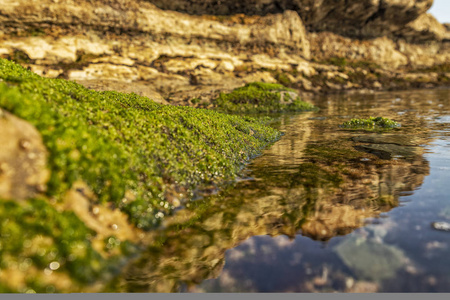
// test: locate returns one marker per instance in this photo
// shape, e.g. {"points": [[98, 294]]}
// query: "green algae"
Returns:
{"points": [[343, 62], [119, 143], [370, 123], [39, 240], [258, 97]]}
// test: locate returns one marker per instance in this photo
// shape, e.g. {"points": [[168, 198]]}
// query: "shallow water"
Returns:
{"points": [[287, 227]]}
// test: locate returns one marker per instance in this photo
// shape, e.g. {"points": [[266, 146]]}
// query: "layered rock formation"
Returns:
{"points": [[360, 19], [183, 56]]}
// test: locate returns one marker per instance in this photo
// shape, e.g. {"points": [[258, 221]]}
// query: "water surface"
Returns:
{"points": [[304, 219]]}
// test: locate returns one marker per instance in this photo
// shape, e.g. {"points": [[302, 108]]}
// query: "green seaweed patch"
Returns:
{"points": [[371, 123], [39, 240], [124, 144], [258, 97], [343, 62]]}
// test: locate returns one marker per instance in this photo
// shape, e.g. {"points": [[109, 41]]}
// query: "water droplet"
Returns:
{"points": [[54, 265], [47, 271]]}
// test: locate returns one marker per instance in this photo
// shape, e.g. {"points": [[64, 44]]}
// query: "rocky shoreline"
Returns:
{"points": [[176, 56], [72, 217]]}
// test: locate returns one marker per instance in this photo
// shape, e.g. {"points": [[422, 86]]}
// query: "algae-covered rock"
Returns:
{"points": [[262, 97], [119, 164], [370, 123], [124, 144]]}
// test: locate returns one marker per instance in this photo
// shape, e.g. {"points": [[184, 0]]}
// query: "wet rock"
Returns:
{"points": [[23, 159], [333, 86], [401, 140], [389, 151], [363, 287], [370, 259], [377, 85], [286, 97], [306, 84], [103, 220], [441, 226], [421, 77]]}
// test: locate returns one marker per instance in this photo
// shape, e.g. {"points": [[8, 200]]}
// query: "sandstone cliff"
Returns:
{"points": [[359, 19]]}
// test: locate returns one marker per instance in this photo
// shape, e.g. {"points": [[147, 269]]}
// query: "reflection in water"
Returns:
{"points": [[313, 185]]}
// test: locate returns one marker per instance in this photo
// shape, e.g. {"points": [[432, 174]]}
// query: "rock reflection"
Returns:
{"points": [[314, 182]]}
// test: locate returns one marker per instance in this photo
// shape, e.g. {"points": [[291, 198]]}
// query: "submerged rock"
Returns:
{"points": [[371, 123], [389, 151], [371, 259], [442, 226], [397, 139]]}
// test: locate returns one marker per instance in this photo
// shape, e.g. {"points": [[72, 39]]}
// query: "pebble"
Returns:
{"points": [[442, 226]]}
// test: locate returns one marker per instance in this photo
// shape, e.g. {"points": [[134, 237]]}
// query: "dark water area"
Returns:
{"points": [[304, 218]]}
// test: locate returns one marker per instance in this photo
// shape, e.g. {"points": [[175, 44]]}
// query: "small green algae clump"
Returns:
{"points": [[258, 97], [370, 123], [124, 144], [35, 237]]}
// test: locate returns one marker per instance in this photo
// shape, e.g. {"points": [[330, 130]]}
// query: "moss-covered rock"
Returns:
{"points": [[43, 243], [132, 154], [371, 123], [124, 144], [260, 97]]}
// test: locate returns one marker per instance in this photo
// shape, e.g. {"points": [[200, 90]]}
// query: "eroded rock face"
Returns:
{"points": [[135, 17], [386, 52], [356, 18], [178, 57], [23, 159], [134, 41]]}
